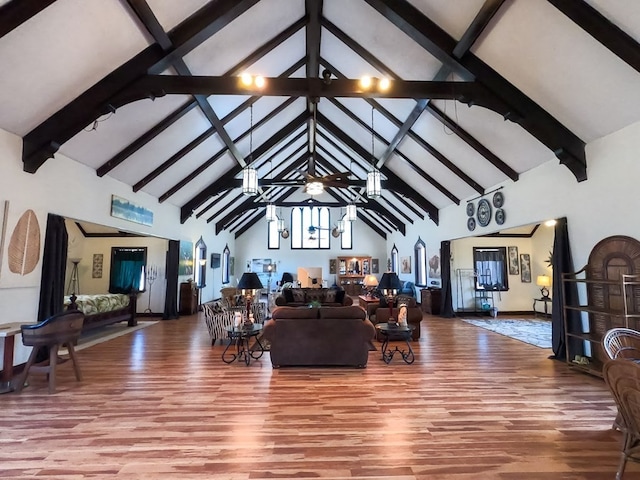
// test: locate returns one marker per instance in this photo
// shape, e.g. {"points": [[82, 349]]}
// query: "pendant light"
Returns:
{"points": [[373, 177], [250, 174], [271, 214]]}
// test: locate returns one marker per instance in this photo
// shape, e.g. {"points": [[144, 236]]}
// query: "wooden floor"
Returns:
{"points": [[160, 404]]}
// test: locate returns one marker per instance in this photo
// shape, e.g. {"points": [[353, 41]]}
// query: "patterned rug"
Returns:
{"points": [[109, 332], [534, 332]]}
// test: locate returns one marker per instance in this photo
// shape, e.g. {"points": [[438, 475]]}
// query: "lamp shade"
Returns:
{"points": [[351, 214], [249, 181], [370, 281], [389, 281], [374, 189], [543, 281], [249, 281], [271, 213]]}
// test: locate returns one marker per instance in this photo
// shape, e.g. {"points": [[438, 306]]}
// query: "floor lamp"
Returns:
{"points": [[74, 283]]}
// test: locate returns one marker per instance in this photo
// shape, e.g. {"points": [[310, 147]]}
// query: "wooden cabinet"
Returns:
{"points": [[351, 273], [188, 298], [609, 304], [430, 300]]}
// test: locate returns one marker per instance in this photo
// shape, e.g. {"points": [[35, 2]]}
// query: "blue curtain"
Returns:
{"points": [[126, 271]]}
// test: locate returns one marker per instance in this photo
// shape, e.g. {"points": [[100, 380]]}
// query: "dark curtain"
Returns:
{"points": [[171, 297], [562, 262], [54, 265], [446, 305]]}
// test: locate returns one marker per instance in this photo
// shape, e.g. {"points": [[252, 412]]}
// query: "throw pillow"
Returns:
{"points": [[340, 296], [216, 307], [238, 300], [288, 295], [330, 295], [314, 296]]}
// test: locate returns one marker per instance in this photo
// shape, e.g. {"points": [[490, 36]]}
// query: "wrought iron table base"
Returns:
{"points": [[243, 350], [407, 355]]}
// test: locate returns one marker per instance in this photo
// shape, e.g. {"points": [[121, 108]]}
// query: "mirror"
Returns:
{"points": [[200, 267], [226, 255]]}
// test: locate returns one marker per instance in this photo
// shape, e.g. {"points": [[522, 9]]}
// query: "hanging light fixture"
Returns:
{"points": [[340, 226], [280, 224], [250, 174], [373, 177], [271, 215], [352, 213]]}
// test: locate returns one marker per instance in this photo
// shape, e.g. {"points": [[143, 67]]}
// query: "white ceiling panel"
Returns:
{"points": [[453, 17], [171, 13]]}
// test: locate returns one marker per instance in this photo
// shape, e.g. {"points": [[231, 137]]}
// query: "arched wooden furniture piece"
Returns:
{"points": [[61, 330]]}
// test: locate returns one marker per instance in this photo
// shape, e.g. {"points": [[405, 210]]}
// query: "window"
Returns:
{"points": [[491, 268], [310, 228], [128, 269], [420, 250], [394, 259], [346, 237], [273, 236]]}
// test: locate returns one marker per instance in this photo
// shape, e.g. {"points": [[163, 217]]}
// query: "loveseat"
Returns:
{"points": [[322, 297], [324, 336]]}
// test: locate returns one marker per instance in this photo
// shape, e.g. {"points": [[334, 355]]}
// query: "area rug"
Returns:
{"points": [[534, 332], [109, 332]]}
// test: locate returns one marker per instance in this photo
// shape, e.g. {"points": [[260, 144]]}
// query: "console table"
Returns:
{"points": [[370, 304], [546, 301]]}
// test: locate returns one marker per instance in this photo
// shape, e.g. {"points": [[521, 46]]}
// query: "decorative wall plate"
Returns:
{"points": [[471, 224], [498, 199], [500, 216], [471, 209], [484, 212]]}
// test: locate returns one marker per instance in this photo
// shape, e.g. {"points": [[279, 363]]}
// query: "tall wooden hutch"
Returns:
{"points": [[351, 273]]}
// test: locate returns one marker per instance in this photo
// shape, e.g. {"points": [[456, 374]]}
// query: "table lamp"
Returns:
{"points": [[370, 282], [389, 286], [248, 284], [544, 281]]}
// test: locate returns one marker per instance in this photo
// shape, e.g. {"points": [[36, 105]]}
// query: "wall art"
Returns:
{"points": [[126, 210], [96, 269], [185, 266], [525, 268], [514, 266], [375, 265], [405, 265]]}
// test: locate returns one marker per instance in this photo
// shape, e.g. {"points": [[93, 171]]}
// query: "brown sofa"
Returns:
{"points": [[302, 336], [414, 314], [302, 297]]}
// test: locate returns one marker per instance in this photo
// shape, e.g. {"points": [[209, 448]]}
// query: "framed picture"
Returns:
{"points": [[96, 269], [333, 266], [514, 266], [405, 265], [124, 209], [525, 268], [375, 265], [215, 260], [185, 267]]}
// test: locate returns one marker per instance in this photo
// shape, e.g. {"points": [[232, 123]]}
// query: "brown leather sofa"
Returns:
{"points": [[414, 314], [325, 336], [302, 297]]}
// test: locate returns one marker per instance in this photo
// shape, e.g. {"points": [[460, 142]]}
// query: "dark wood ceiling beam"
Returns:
{"points": [[17, 12], [602, 29], [313, 12], [248, 204], [154, 86], [368, 222], [478, 25], [197, 141], [413, 166], [567, 147], [145, 138], [400, 186], [199, 27], [201, 197], [44, 141]]}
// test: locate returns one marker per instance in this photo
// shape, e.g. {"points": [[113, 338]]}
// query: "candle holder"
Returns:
{"points": [[151, 276]]}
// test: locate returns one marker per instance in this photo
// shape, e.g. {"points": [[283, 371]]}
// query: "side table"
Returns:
{"points": [[8, 332], [396, 332], [546, 301], [370, 304], [240, 336]]}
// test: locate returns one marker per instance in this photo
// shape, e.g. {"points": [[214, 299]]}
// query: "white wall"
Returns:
{"points": [[604, 205], [72, 190]]}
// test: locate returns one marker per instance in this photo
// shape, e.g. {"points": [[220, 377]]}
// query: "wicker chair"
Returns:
{"points": [[61, 330], [622, 343], [623, 379]]}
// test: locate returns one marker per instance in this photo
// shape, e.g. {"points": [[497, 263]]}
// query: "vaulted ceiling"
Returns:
{"points": [[147, 91]]}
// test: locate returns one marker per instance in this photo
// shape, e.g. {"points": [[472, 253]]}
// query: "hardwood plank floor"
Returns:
{"points": [[160, 403]]}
